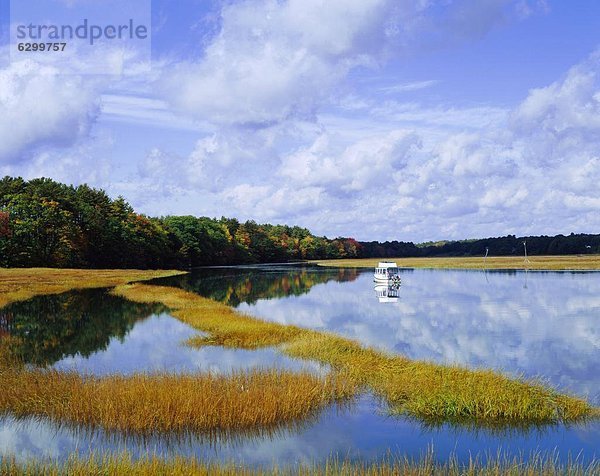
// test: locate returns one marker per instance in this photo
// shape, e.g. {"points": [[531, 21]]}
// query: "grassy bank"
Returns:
{"points": [[570, 262], [421, 389], [168, 403], [24, 283], [536, 465]]}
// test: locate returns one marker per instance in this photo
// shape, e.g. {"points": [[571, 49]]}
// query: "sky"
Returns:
{"points": [[411, 120]]}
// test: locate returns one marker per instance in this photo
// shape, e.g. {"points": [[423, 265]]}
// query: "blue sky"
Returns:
{"points": [[377, 119]]}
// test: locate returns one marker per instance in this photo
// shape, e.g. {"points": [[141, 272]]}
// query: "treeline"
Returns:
{"points": [[510, 245], [49, 224], [513, 245], [45, 223]]}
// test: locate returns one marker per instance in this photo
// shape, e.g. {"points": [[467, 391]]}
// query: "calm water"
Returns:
{"points": [[536, 324]]}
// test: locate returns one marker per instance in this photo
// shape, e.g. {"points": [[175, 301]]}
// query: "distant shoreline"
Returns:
{"points": [[540, 263]]}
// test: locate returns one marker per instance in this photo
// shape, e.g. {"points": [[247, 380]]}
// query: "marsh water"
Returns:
{"points": [[543, 325]]}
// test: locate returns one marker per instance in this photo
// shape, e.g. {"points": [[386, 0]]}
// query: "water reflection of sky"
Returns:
{"points": [[158, 344], [539, 324], [543, 325], [361, 432]]}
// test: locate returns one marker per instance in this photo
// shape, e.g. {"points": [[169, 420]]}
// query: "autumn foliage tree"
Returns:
{"points": [[46, 223], [4, 224]]}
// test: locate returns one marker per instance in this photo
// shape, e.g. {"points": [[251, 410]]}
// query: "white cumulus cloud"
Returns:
{"points": [[38, 107]]}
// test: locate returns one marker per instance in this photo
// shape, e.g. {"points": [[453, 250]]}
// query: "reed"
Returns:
{"points": [[421, 389], [568, 262], [166, 403], [198, 403], [25, 283], [226, 327], [97, 464], [8, 356], [431, 391], [260, 400]]}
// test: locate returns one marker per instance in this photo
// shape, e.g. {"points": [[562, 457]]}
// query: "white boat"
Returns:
{"points": [[386, 271]]}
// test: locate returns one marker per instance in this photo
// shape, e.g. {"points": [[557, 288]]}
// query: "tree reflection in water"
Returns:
{"points": [[248, 284], [46, 329]]}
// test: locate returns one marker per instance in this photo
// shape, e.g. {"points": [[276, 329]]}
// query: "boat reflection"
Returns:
{"points": [[388, 292]]}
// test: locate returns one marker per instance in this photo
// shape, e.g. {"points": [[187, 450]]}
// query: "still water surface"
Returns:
{"points": [[536, 324]]}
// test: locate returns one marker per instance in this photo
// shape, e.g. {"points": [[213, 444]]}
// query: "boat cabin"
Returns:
{"points": [[386, 270]]}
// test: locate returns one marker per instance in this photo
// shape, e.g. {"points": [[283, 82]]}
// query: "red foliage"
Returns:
{"points": [[5, 224]]}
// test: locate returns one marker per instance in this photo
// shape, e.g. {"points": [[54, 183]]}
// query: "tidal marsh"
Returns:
{"points": [[226, 327], [165, 403], [98, 464], [425, 391], [151, 403], [568, 262], [22, 284], [421, 389]]}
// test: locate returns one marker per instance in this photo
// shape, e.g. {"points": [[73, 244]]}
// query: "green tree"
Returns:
{"points": [[42, 232]]}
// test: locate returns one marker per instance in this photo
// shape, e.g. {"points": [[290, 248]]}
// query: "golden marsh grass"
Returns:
{"points": [[167, 403], [23, 284], [8, 359], [431, 391], [569, 262], [95, 465], [226, 326], [161, 403], [421, 389]]}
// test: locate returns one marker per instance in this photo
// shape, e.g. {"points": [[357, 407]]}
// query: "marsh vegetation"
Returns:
{"points": [[420, 389], [245, 402], [23, 284], [165, 403], [535, 465], [570, 262]]}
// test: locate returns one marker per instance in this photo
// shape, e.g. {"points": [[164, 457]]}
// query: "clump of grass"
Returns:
{"points": [[8, 357], [536, 465], [226, 327], [431, 391], [421, 389], [23, 284], [166, 403], [569, 262]]}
